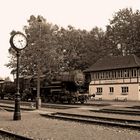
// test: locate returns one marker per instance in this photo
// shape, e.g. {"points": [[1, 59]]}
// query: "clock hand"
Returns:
{"points": [[20, 41]]}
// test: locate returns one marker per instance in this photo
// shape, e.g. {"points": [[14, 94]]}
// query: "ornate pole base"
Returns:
{"points": [[17, 114], [38, 103]]}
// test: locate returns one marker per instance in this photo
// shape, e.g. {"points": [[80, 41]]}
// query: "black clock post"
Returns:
{"points": [[17, 114], [18, 42]]}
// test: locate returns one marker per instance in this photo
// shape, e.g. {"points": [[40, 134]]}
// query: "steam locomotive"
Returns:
{"points": [[65, 87]]}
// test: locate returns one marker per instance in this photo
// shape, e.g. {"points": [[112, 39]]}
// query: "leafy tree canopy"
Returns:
{"points": [[53, 49], [123, 32]]}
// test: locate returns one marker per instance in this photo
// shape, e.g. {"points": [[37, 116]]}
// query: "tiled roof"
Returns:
{"points": [[115, 62]]}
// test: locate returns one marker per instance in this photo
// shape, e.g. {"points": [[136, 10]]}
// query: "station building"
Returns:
{"points": [[115, 78]]}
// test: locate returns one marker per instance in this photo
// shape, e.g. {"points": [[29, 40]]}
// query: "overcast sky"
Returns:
{"points": [[83, 14]]}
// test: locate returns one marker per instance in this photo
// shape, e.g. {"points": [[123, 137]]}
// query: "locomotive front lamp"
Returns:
{"points": [[18, 41]]}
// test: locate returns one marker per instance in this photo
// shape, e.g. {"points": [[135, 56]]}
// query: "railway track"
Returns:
{"points": [[127, 123], [10, 135], [9, 106], [132, 124], [58, 104], [118, 111]]}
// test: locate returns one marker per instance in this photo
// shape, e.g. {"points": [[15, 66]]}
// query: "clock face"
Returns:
{"points": [[19, 41]]}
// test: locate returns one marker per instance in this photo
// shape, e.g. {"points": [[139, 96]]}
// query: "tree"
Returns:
{"points": [[37, 56], [94, 46], [70, 42], [80, 48], [123, 32], [7, 79]]}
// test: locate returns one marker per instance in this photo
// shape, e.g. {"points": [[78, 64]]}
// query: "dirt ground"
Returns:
{"points": [[41, 128]]}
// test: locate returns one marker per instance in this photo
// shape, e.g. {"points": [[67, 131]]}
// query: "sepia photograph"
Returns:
{"points": [[70, 70]]}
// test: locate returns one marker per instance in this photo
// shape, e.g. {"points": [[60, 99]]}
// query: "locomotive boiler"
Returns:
{"points": [[67, 87]]}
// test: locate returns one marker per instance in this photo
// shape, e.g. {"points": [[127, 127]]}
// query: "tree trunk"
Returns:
{"points": [[38, 99]]}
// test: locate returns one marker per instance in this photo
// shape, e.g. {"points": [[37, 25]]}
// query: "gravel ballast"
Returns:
{"points": [[40, 128]]}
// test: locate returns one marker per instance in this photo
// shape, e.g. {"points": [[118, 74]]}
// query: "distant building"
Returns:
{"points": [[115, 78]]}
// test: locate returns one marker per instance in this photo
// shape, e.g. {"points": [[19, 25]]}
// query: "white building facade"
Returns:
{"points": [[116, 78]]}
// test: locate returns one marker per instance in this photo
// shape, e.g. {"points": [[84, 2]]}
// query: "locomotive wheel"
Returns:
{"points": [[69, 101], [47, 100], [61, 101], [74, 100], [82, 102]]}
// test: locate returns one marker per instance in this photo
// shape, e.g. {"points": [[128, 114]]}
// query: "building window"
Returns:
{"points": [[121, 73], [97, 75], [113, 75], [99, 91], [139, 72], [125, 90], [102, 75], [107, 75], [126, 73], [93, 76], [111, 89], [134, 72]]}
